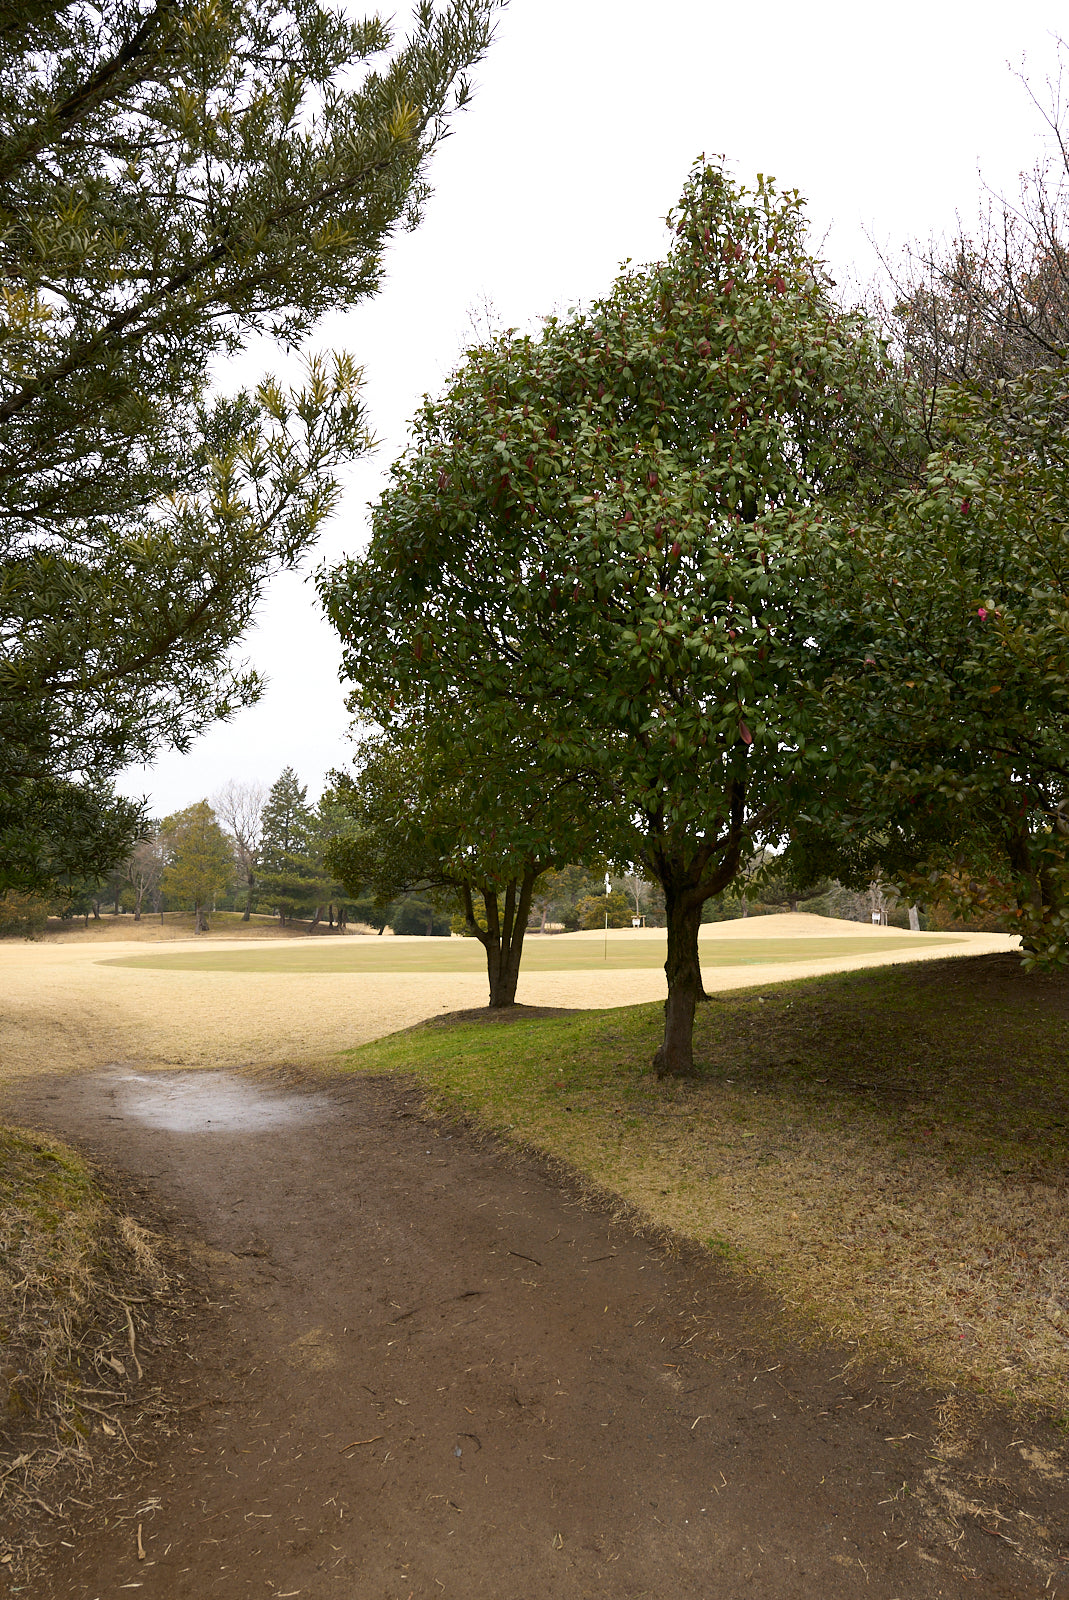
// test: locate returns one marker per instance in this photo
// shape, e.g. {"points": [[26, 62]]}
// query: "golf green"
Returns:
{"points": [[326, 956]]}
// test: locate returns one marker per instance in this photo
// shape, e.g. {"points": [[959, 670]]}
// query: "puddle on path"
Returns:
{"points": [[213, 1102]]}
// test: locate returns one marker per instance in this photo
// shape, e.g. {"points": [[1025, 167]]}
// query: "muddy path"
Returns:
{"points": [[432, 1370]]}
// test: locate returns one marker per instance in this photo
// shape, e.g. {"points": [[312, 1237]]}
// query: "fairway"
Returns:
{"points": [[219, 1002], [581, 953]]}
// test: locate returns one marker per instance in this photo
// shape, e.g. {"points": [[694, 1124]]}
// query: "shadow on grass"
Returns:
{"points": [[887, 1148], [969, 1056]]}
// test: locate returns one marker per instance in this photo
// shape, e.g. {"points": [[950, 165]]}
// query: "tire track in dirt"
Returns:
{"points": [[435, 1371]]}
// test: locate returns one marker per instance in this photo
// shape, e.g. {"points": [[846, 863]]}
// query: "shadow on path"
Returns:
{"points": [[436, 1372]]}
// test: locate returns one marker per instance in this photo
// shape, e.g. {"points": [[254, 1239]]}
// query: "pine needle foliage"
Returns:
{"points": [[175, 178]]}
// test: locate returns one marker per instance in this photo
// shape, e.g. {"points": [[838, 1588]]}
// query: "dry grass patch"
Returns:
{"points": [[83, 1301], [890, 1149]]}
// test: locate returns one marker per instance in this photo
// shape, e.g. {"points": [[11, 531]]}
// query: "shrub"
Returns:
{"points": [[22, 916]]}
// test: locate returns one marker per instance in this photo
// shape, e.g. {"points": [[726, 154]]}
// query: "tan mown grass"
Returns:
{"points": [[80, 1282], [72, 1006], [889, 1149]]}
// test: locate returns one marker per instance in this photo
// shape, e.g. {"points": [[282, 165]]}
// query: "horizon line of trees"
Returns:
{"points": [[259, 850]]}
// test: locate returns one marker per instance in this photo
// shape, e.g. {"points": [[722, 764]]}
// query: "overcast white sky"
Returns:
{"points": [[586, 117]]}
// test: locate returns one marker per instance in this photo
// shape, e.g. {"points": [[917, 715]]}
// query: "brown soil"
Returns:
{"points": [[483, 1015], [432, 1369]]}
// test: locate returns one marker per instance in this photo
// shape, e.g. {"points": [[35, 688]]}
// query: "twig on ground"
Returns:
{"points": [[132, 1339]]}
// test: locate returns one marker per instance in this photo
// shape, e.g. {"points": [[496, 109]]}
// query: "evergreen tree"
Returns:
{"points": [[291, 877], [175, 178], [603, 537]]}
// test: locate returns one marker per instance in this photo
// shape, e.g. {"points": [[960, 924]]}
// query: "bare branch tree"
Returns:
{"points": [[239, 807], [143, 869], [992, 305]]}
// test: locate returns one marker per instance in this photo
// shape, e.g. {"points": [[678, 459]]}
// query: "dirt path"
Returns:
{"points": [[434, 1372]]}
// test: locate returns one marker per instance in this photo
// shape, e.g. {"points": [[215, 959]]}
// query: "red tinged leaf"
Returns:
{"points": [[676, 548], [744, 733]]}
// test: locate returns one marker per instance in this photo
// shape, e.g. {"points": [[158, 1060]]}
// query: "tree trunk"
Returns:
{"points": [[137, 903], [315, 919], [502, 938], [675, 1056], [689, 876], [246, 915], [200, 921], [118, 894], [914, 920]]}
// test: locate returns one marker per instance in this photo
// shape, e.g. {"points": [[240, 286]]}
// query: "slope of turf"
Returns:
{"points": [[543, 955], [890, 1147]]}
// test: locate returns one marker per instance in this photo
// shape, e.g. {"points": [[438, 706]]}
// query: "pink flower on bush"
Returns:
{"points": [[981, 612]]}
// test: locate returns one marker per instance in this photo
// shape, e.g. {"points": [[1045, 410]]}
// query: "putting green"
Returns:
{"points": [[540, 955]]}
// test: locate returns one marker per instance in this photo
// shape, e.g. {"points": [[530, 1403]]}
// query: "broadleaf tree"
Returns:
{"points": [[143, 869], [477, 823], [949, 601], [239, 807], [175, 178], [951, 604], [201, 861], [601, 529]]}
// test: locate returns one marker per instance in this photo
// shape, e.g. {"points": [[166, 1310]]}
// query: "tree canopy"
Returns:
{"points": [[174, 178], [949, 601], [201, 861], [608, 528]]}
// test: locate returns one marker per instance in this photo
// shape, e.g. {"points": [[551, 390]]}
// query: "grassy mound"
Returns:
{"points": [[82, 1290], [888, 1148]]}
